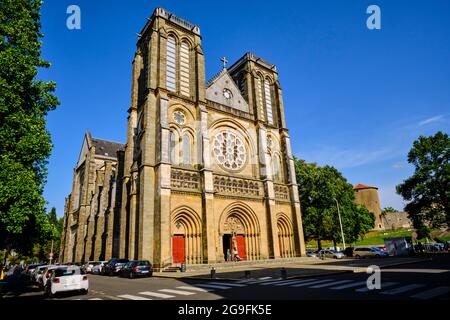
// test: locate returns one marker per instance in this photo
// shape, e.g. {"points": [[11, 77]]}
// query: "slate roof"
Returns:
{"points": [[107, 148]]}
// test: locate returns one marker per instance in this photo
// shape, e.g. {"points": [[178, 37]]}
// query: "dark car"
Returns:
{"points": [[137, 268], [114, 266]]}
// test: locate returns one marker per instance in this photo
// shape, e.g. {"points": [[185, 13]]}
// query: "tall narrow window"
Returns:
{"points": [[172, 144], [171, 64], [260, 97], [268, 97], [186, 149], [184, 69], [276, 168]]}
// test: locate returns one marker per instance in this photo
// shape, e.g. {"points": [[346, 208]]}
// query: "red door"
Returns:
{"points": [[240, 242], [178, 249]]}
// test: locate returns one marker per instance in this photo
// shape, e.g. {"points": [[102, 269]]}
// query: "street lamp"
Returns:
{"points": [[340, 222]]}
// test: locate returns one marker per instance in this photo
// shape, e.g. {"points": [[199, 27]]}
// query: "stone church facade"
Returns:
{"points": [[207, 167]]}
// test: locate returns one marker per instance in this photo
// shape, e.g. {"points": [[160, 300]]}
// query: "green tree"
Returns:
{"points": [[428, 189], [388, 210], [25, 144], [318, 189]]}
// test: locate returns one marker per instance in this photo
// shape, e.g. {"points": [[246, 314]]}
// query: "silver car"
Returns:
{"points": [[331, 254], [368, 252]]}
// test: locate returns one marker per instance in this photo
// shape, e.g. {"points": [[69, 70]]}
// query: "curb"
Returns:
{"points": [[393, 265]]}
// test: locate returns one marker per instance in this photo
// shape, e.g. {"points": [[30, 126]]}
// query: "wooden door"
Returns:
{"points": [[240, 243], [178, 254]]}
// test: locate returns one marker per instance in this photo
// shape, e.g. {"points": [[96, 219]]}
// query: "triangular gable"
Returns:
{"points": [[221, 83], [84, 149]]}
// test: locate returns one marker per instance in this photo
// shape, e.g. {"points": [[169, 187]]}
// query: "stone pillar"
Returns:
{"points": [[211, 253], [299, 239], [266, 173], [132, 216]]}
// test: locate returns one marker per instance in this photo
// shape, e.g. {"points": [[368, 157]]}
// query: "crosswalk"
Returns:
{"points": [[388, 289]]}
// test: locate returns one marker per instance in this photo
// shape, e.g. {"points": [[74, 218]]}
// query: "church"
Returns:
{"points": [[207, 166]]}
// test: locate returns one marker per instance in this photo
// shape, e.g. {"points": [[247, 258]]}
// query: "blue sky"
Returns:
{"points": [[354, 98]]}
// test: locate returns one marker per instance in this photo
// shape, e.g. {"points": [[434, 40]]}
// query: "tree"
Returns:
{"points": [[428, 189], [318, 187], [25, 144], [388, 210]]}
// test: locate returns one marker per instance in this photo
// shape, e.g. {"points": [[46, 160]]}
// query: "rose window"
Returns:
{"points": [[229, 150]]}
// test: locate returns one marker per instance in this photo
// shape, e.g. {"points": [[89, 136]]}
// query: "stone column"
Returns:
{"points": [[295, 200]]}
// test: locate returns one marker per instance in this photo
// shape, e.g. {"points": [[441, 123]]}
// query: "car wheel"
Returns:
{"points": [[84, 291], [132, 275], [150, 274], [111, 273], [48, 292]]}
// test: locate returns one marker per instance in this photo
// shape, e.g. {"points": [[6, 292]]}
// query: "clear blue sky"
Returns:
{"points": [[354, 98]]}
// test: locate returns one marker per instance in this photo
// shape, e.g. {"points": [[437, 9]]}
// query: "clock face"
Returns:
{"points": [[229, 150], [227, 94]]}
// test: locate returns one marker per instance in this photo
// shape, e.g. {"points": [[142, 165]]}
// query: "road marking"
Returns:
{"points": [[156, 294], [265, 278], [229, 284], [431, 293], [323, 285], [350, 285], [403, 289], [211, 286], [383, 285], [195, 289], [131, 297], [288, 282], [262, 281], [309, 283], [183, 293], [274, 282], [95, 299]]}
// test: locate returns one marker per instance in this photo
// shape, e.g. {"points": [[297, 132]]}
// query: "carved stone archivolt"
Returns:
{"points": [[185, 180], [234, 226], [237, 186]]}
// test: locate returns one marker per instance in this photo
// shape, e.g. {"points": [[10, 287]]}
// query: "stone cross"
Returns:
{"points": [[225, 61]]}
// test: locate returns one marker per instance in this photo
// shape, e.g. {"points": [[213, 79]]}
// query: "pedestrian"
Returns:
{"points": [[236, 255], [228, 257], [2, 274]]}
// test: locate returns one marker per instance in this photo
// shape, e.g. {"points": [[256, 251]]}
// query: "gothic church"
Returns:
{"points": [[207, 166]]}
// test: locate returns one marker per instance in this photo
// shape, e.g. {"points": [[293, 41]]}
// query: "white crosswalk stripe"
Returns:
{"points": [[95, 299], [265, 278], [329, 284], [132, 297], [291, 282], [195, 289], [403, 289], [156, 294], [213, 286], [432, 293], [228, 284], [304, 284], [383, 285], [180, 292], [261, 281], [350, 285], [271, 282]]}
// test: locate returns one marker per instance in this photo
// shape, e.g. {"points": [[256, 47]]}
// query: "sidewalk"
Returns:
{"points": [[298, 268]]}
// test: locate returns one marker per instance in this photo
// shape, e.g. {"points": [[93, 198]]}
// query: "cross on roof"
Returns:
{"points": [[225, 61]]}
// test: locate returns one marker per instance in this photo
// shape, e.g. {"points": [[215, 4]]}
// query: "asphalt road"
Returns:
{"points": [[429, 280]]}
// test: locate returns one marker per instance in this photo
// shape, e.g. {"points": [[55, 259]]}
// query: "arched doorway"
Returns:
{"points": [[186, 237], [285, 236], [239, 229]]}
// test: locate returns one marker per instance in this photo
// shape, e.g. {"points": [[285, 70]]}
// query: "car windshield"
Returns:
{"points": [[68, 272], [123, 261]]}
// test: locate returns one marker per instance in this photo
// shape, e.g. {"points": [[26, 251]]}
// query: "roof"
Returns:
{"points": [[106, 148], [363, 186], [252, 57]]}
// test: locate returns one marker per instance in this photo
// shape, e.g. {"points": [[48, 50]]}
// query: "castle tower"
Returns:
{"points": [[368, 197]]}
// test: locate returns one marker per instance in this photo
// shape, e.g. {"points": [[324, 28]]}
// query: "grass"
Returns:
{"points": [[376, 238]]}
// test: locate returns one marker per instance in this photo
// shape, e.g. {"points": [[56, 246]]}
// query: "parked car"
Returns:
{"points": [[30, 269], [37, 274], [137, 268], [381, 252], [113, 266], [42, 280], [98, 267], [88, 266], [67, 278], [368, 252], [311, 253], [331, 254]]}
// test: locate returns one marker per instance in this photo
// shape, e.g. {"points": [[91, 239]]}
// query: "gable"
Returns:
{"points": [[221, 83], [84, 151]]}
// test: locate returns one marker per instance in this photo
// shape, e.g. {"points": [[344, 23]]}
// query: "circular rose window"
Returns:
{"points": [[229, 150]]}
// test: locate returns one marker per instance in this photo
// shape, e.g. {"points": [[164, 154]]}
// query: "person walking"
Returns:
{"points": [[228, 255], [236, 255]]}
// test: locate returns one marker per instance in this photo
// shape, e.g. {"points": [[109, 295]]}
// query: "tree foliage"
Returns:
{"points": [[25, 144], [428, 189], [318, 189]]}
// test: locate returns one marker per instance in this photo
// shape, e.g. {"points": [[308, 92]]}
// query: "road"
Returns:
{"points": [[428, 280]]}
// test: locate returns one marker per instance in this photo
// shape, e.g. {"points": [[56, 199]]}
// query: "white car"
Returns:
{"points": [[331, 254], [64, 279], [36, 276], [98, 266]]}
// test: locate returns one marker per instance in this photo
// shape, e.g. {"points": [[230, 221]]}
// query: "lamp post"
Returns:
{"points": [[340, 222]]}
